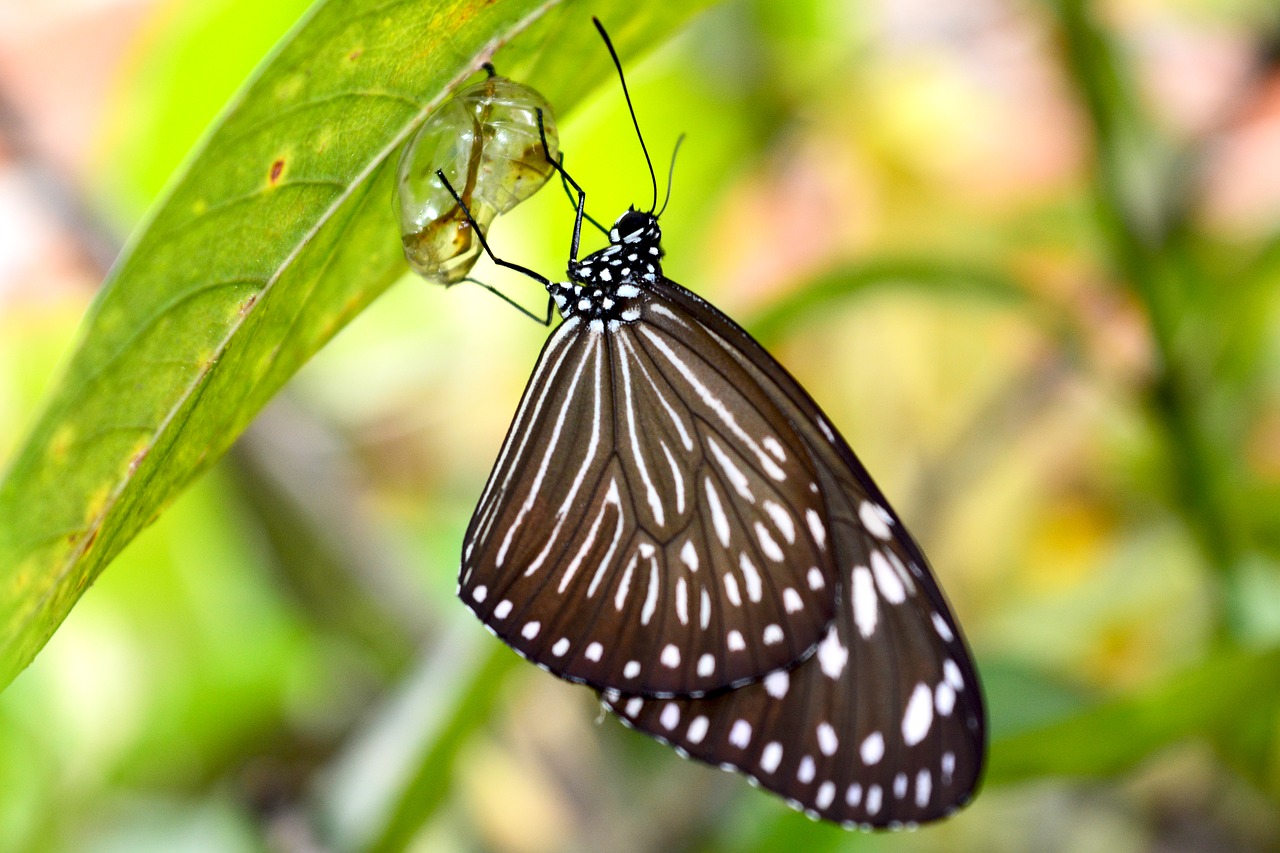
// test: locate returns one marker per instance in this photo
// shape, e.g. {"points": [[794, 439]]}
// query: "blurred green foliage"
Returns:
{"points": [[968, 228]]}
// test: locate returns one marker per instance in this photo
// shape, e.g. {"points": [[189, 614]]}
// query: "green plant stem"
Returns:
{"points": [[1146, 260]]}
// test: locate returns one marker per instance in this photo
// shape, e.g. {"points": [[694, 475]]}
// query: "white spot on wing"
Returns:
{"points": [[770, 547], [777, 683], [873, 519], [826, 794], [755, 588], [718, 519], [594, 652], [611, 498], [864, 601], [682, 601], [832, 655], [887, 580], [918, 716], [791, 600], [740, 734], [480, 592], [706, 664], [670, 656], [503, 610], [817, 528], [872, 749], [771, 756], [940, 625], [952, 673], [731, 590], [807, 770], [689, 555], [827, 740], [633, 706], [924, 787], [698, 729], [676, 476], [736, 643], [781, 520], [944, 699], [670, 717], [815, 579], [561, 646], [624, 586], [772, 634], [530, 629], [651, 595], [732, 472]]}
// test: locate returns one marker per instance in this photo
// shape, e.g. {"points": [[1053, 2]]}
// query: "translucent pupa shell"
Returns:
{"points": [[485, 139]]}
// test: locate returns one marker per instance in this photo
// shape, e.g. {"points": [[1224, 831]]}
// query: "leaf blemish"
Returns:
{"points": [[355, 54], [276, 169]]}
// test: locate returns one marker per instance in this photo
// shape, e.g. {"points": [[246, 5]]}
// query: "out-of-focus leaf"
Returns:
{"points": [[398, 769], [1021, 699], [280, 231], [1205, 701], [936, 278]]}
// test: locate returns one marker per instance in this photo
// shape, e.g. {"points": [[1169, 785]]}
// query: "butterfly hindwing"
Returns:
{"points": [[651, 522], [885, 723]]}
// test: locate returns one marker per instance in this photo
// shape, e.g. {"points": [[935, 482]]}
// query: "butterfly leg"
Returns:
{"points": [[546, 321], [582, 194], [484, 243], [564, 182]]}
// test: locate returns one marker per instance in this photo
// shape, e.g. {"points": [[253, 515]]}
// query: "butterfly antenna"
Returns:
{"points": [[617, 63], [671, 173]]}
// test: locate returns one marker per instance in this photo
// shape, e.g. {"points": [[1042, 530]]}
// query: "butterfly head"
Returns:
{"points": [[638, 229]]}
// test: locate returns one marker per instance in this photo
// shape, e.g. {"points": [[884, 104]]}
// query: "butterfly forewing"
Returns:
{"points": [[653, 521]]}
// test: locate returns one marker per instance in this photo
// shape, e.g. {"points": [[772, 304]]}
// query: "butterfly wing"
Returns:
{"points": [[885, 724], [651, 522]]}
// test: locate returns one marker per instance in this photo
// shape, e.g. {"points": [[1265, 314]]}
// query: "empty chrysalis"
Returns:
{"points": [[486, 141]]}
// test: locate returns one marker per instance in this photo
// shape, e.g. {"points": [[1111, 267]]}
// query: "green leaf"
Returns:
{"points": [[279, 232], [938, 278], [1204, 701]]}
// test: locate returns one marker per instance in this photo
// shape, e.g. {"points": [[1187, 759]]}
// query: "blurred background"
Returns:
{"points": [[1026, 257]]}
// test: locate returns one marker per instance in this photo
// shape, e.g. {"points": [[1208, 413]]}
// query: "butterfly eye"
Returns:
{"points": [[487, 142]]}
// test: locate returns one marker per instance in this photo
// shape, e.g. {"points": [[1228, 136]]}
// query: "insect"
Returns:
{"points": [[488, 142], [673, 521]]}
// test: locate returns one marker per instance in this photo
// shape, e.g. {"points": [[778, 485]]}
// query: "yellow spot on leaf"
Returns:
{"points": [[96, 504], [60, 442]]}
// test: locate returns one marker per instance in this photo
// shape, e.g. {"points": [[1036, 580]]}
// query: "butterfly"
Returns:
{"points": [[673, 521]]}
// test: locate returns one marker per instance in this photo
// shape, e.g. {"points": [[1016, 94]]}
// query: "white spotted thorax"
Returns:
{"points": [[605, 287]]}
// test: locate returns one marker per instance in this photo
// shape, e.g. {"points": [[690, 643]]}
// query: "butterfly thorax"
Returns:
{"points": [[604, 288]]}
